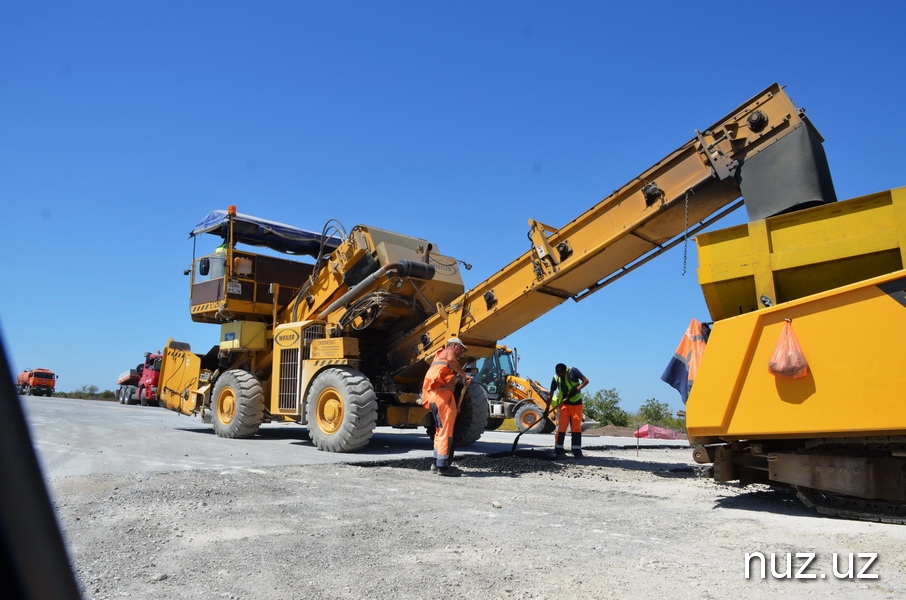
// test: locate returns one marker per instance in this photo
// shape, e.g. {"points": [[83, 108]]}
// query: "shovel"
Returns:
{"points": [[547, 411]]}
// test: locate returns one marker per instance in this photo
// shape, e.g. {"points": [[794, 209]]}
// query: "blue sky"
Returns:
{"points": [[122, 124]]}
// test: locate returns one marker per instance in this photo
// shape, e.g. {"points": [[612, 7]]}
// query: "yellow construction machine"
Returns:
{"points": [[835, 430], [341, 342], [511, 396]]}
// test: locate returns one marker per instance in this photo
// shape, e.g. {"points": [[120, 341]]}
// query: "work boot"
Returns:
{"points": [[433, 468], [449, 471], [576, 444], [558, 444]]}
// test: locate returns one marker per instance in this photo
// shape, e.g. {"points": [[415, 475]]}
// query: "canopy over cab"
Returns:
{"points": [[255, 231], [235, 284]]}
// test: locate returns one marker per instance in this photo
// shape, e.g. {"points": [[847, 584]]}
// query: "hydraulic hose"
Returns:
{"points": [[403, 268]]}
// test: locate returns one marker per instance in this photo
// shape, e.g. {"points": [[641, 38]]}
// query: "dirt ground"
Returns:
{"points": [[620, 523]]}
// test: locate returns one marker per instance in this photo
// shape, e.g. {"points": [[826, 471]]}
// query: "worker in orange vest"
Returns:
{"points": [[566, 396], [437, 397]]}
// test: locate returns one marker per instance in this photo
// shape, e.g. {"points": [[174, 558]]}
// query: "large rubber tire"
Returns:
{"points": [[494, 423], [119, 395], [341, 409], [237, 406], [529, 419], [473, 416], [141, 397], [549, 426]]}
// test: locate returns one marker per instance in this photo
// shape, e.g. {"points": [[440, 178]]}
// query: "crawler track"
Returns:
{"points": [[847, 507]]}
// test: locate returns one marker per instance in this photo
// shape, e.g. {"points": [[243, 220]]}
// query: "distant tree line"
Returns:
{"points": [[88, 392], [604, 407]]}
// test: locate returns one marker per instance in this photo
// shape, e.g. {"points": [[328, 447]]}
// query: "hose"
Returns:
{"points": [[404, 268], [547, 411]]}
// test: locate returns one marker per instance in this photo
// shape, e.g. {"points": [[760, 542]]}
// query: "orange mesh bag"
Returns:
{"points": [[788, 360]]}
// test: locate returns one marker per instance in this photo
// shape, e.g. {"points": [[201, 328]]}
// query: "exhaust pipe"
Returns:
{"points": [[403, 268]]}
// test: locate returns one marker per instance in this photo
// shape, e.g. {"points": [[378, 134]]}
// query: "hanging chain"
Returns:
{"points": [[686, 229]]}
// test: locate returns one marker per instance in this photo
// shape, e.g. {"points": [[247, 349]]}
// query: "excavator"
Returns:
{"points": [[341, 342]]}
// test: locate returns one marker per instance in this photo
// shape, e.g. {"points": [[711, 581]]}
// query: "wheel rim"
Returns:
{"points": [[226, 405], [529, 419], [330, 411]]}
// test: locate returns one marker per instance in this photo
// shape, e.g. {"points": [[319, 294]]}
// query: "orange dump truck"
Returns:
{"points": [[36, 382]]}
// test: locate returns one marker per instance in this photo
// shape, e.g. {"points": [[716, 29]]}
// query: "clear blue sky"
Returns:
{"points": [[122, 124]]}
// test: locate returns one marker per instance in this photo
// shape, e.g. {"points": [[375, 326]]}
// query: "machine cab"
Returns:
{"points": [[229, 284], [493, 370]]}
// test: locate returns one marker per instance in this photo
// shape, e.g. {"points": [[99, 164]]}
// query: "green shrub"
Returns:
{"points": [[604, 407]]}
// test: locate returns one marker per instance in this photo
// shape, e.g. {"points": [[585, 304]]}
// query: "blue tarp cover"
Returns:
{"points": [[261, 232]]}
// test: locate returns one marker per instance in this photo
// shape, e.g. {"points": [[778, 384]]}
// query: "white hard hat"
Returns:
{"points": [[455, 340]]}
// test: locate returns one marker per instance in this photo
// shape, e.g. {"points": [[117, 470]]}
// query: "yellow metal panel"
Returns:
{"points": [[801, 253], [243, 335], [760, 254], [335, 348], [898, 197], [852, 339], [724, 254], [406, 416], [857, 243], [288, 336], [285, 385], [179, 375], [732, 297]]}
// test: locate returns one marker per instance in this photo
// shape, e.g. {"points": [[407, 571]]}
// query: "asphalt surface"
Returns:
{"points": [[84, 437]]}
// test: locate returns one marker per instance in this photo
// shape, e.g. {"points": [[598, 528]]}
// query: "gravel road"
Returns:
{"points": [[620, 523]]}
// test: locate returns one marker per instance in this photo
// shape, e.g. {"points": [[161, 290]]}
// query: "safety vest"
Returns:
{"points": [[440, 377], [563, 386]]}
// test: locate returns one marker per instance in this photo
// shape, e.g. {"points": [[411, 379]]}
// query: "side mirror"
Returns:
{"points": [[204, 266]]}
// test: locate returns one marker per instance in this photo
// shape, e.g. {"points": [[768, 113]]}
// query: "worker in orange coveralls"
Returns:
{"points": [[566, 396], [437, 396]]}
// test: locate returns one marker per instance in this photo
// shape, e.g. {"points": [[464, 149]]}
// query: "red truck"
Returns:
{"points": [[36, 382], [139, 385]]}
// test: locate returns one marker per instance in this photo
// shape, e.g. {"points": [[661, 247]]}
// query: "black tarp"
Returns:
{"points": [[255, 231]]}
